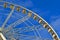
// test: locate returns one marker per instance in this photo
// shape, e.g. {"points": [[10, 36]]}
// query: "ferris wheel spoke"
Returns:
{"points": [[24, 29], [21, 36], [25, 36], [16, 34], [35, 29], [18, 31], [7, 18], [11, 26], [28, 26], [19, 21], [28, 29]]}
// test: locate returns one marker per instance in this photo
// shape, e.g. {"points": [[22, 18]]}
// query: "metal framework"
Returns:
{"points": [[23, 19]]}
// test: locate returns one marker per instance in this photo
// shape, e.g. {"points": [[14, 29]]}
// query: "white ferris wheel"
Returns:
{"points": [[19, 23]]}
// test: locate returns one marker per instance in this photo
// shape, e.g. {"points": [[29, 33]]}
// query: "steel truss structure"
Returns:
{"points": [[23, 15]]}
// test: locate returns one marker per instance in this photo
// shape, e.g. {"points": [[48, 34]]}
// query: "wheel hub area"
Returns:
{"points": [[2, 37]]}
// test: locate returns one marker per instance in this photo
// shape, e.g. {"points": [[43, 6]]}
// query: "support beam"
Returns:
{"points": [[28, 29], [35, 29], [7, 18], [11, 26]]}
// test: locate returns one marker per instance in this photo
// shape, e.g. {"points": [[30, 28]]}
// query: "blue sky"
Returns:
{"points": [[47, 9]]}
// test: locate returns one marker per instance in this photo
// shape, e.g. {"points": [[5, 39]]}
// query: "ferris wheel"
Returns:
{"points": [[19, 23]]}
